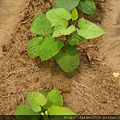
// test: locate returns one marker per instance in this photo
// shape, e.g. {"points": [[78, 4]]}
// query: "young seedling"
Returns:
{"points": [[43, 106], [57, 22]]}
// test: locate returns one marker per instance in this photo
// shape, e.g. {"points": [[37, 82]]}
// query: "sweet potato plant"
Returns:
{"points": [[59, 21], [43, 106]]}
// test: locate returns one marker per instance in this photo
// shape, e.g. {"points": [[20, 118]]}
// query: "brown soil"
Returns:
{"points": [[91, 89], [10, 14]]}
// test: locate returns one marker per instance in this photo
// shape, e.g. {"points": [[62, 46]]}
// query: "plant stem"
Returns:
{"points": [[69, 37], [66, 40]]}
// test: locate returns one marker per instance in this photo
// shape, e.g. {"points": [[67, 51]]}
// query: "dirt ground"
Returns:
{"points": [[91, 89], [10, 15]]}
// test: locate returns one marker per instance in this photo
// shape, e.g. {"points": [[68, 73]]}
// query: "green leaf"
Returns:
{"points": [[68, 59], [88, 29], [33, 46], [25, 110], [87, 6], [76, 39], [49, 48], [55, 97], [69, 30], [47, 105], [67, 4], [36, 100], [61, 28], [55, 15], [44, 92], [74, 14], [62, 23], [41, 25], [54, 6], [58, 110]]}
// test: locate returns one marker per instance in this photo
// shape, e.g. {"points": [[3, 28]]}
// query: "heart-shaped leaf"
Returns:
{"points": [[69, 30], [55, 15], [61, 24], [24, 112], [76, 39], [87, 6], [62, 28], [25, 109], [58, 110], [49, 48], [88, 29], [74, 14], [55, 97], [68, 59], [36, 100], [33, 46], [41, 25], [67, 4]]}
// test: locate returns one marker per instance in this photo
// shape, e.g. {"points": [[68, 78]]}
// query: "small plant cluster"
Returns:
{"points": [[57, 22], [43, 106]]}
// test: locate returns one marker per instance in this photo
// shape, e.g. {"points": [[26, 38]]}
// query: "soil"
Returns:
{"points": [[10, 15], [91, 89]]}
